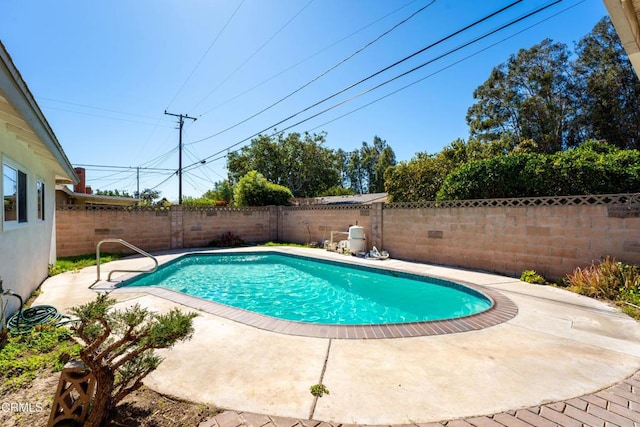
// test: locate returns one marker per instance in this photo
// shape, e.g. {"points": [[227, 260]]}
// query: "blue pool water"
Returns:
{"points": [[306, 290]]}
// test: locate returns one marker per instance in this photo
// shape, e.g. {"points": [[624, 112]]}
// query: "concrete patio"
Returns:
{"points": [[558, 347]]}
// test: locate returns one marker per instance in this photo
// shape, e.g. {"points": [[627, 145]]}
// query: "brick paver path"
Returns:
{"points": [[618, 405]]}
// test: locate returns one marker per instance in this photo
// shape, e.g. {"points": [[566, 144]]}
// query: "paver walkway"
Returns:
{"points": [[618, 405]]}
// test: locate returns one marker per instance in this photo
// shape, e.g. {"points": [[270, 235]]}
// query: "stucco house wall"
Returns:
{"points": [[27, 145]]}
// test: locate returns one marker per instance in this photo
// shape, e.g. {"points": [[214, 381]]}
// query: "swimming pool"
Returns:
{"points": [[300, 289]]}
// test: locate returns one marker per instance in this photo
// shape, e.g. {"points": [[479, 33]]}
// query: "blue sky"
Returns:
{"points": [[104, 72]]}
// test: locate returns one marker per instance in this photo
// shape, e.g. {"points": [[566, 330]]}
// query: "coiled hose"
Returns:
{"points": [[24, 320]]}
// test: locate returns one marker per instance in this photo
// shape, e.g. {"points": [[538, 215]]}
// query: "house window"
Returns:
{"points": [[14, 190], [40, 195]]}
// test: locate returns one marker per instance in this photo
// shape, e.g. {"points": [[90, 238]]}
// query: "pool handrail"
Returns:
{"points": [[130, 246]]}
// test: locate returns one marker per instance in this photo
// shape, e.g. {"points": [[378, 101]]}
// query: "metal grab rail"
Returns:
{"points": [[130, 246]]}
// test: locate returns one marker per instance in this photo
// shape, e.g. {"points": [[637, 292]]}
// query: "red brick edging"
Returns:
{"points": [[618, 405]]}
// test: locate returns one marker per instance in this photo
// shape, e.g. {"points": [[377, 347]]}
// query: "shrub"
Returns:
{"points": [[608, 279], [227, 240], [253, 189], [531, 276], [119, 348], [592, 168]]}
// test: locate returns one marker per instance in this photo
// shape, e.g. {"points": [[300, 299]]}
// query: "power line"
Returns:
{"points": [[162, 182], [121, 167], [377, 72], [95, 108], [84, 113], [252, 55], [324, 73], [308, 58], [447, 67], [414, 69], [159, 159], [513, 22], [205, 53]]}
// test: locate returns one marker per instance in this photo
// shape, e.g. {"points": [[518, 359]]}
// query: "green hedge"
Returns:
{"points": [[592, 168], [253, 189]]}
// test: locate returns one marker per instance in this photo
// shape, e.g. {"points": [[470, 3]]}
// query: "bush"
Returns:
{"points": [[118, 347], [609, 280], [200, 202], [592, 168], [531, 276], [227, 240], [253, 189]]}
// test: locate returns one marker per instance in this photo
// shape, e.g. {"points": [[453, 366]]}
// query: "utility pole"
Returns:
{"points": [[181, 118]]}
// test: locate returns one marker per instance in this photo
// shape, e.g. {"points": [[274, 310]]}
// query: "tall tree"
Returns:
{"points": [[299, 162], [608, 88], [528, 97], [366, 166]]}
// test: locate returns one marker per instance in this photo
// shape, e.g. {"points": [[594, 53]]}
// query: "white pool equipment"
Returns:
{"points": [[356, 239]]}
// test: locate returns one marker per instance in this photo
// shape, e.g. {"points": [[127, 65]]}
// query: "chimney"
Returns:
{"points": [[80, 187]]}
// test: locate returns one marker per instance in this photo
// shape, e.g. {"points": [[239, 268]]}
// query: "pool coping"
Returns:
{"points": [[502, 310]]}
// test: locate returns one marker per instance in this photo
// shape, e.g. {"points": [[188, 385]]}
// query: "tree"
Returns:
{"points": [[608, 89], [528, 98], [113, 193], [365, 167], [254, 189], [421, 177], [119, 348], [298, 162], [354, 173], [222, 191], [418, 179], [147, 196], [337, 191]]}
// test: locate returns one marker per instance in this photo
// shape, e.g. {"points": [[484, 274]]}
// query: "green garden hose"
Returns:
{"points": [[24, 320]]}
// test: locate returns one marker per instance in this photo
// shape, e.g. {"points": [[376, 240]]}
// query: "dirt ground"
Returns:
{"points": [[31, 406]]}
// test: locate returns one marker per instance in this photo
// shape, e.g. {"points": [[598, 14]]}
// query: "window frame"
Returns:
{"points": [[22, 195], [41, 200]]}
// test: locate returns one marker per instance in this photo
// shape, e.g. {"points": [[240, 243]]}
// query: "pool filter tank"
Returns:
{"points": [[356, 239]]}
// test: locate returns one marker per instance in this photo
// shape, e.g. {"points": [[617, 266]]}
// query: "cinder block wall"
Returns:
{"points": [[202, 226], [79, 231], [553, 240], [315, 223]]}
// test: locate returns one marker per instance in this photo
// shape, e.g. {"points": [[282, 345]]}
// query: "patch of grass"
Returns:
{"points": [[75, 263], [23, 357], [295, 245], [631, 311]]}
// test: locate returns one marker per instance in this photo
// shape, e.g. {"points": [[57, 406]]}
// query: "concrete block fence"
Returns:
{"points": [[552, 235]]}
